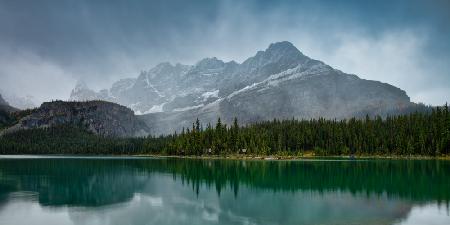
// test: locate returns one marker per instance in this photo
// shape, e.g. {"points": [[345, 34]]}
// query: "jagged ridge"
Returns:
{"points": [[280, 82]]}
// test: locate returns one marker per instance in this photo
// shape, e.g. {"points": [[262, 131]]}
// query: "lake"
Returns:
{"points": [[132, 190]]}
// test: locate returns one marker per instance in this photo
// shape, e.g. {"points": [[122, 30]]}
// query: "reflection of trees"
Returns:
{"points": [[413, 179], [94, 182], [71, 181]]}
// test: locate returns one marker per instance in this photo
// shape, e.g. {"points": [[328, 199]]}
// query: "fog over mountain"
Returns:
{"points": [[47, 46], [5, 107], [280, 82], [20, 102]]}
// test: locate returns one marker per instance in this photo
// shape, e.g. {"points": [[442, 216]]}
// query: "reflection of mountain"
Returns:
{"points": [[166, 202]]}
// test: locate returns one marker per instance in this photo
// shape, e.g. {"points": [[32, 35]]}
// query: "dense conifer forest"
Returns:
{"points": [[422, 134]]}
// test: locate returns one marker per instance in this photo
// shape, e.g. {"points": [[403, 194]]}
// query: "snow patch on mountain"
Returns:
{"points": [[210, 94], [134, 106], [295, 73], [153, 109], [246, 88], [188, 108], [149, 84]]}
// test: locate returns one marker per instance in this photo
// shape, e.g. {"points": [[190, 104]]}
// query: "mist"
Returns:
{"points": [[47, 46]]}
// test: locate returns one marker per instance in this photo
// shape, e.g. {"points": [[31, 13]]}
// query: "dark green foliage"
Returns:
{"points": [[412, 134], [5, 119], [66, 140], [8, 118]]}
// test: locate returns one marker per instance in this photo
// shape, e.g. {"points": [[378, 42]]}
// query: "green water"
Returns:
{"points": [[49, 190]]}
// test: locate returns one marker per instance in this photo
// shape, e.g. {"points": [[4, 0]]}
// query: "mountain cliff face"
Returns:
{"points": [[99, 117], [279, 82]]}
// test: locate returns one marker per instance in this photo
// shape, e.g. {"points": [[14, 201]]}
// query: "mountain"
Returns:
{"points": [[142, 94], [98, 117], [280, 82]]}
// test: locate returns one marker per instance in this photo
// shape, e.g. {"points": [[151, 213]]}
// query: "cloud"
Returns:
{"points": [[397, 57], [108, 41], [400, 56], [24, 73]]}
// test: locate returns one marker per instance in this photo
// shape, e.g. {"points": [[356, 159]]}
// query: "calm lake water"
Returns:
{"points": [[52, 190]]}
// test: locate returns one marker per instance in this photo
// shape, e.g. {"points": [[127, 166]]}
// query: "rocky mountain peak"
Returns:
{"points": [[81, 92], [162, 67], [282, 48], [166, 69], [210, 63], [284, 55], [283, 51]]}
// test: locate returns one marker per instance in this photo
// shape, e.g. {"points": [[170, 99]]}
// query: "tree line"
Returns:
{"points": [[417, 133]]}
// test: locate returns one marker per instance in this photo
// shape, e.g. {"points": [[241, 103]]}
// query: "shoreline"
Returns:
{"points": [[237, 157], [286, 158]]}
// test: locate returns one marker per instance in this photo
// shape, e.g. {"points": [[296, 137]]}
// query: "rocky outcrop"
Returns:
{"points": [[99, 117]]}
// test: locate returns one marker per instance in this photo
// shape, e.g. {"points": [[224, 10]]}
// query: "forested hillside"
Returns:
{"points": [[426, 134]]}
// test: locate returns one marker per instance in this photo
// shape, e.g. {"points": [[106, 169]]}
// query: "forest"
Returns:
{"points": [[414, 134]]}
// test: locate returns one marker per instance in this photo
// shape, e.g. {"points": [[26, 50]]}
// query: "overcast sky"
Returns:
{"points": [[46, 46]]}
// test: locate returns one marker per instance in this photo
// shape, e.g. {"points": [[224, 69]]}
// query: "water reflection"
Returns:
{"points": [[181, 191]]}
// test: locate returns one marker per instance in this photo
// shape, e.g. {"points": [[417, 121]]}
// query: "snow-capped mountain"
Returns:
{"points": [[81, 92], [167, 87], [279, 82]]}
